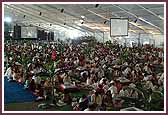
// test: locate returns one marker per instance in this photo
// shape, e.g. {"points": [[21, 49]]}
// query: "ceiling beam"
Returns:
{"points": [[158, 16], [27, 11], [140, 18], [115, 15], [69, 14], [136, 25]]}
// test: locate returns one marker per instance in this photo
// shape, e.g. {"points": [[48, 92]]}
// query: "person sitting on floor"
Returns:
{"points": [[67, 98], [40, 93], [113, 89], [66, 79], [96, 99], [100, 89], [88, 81], [47, 87], [32, 86], [123, 93], [83, 102], [27, 84], [8, 74], [118, 102], [107, 100], [91, 107]]}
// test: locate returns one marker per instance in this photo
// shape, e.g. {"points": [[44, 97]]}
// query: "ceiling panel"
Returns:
{"points": [[129, 6], [51, 13], [148, 6]]}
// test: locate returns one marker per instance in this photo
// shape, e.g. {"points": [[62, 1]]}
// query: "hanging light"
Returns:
{"points": [[40, 13], [105, 22], [96, 5], [62, 10]]}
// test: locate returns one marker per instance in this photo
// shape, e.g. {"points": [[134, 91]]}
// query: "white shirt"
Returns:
{"points": [[106, 87], [101, 81], [149, 85], [88, 81], [87, 109], [113, 90], [8, 72], [123, 93], [37, 80]]}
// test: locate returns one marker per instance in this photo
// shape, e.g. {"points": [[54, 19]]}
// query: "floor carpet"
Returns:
{"points": [[15, 93]]}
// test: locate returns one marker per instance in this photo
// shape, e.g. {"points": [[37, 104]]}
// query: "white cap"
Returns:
{"points": [[112, 81], [33, 77], [132, 85]]}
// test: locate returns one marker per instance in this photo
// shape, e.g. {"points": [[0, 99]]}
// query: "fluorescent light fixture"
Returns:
{"points": [[82, 16], [119, 38], [151, 32], [8, 19]]}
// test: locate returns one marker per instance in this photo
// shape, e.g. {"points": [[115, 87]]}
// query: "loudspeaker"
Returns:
{"points": [[52, 36], [17, 32]]}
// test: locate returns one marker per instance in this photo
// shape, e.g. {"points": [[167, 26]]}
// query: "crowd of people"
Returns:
{"points": [[109, 72]]}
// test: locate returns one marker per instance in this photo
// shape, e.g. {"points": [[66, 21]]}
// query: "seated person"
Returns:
{"points": [[37, 80], [32, 86], [96, 99], [75, 106], [113, 89], [90, 95], [27, 84], [8, 73], [58, 79], [47, 87], [134, 94], [40, 92], [124, 93], [14, 77], [67, 98], [107, 100], [105, 85], [88, 81], [84, 76], [102, 80], [118, 85], [83, 102], [118, 103], [100, 89], [91, 107], [66, 79]]}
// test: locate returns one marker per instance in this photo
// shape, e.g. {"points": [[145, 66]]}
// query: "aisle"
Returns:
{"points": [[14, 93]]}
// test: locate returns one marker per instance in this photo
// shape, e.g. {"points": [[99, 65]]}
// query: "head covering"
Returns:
{"points": [[132, 85], [33, 77]]}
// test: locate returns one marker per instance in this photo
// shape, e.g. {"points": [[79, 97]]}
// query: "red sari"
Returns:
{"points": [[54, 55]]}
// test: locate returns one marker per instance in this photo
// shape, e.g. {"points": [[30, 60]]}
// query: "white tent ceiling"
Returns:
{"points": [[143, 18]]}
